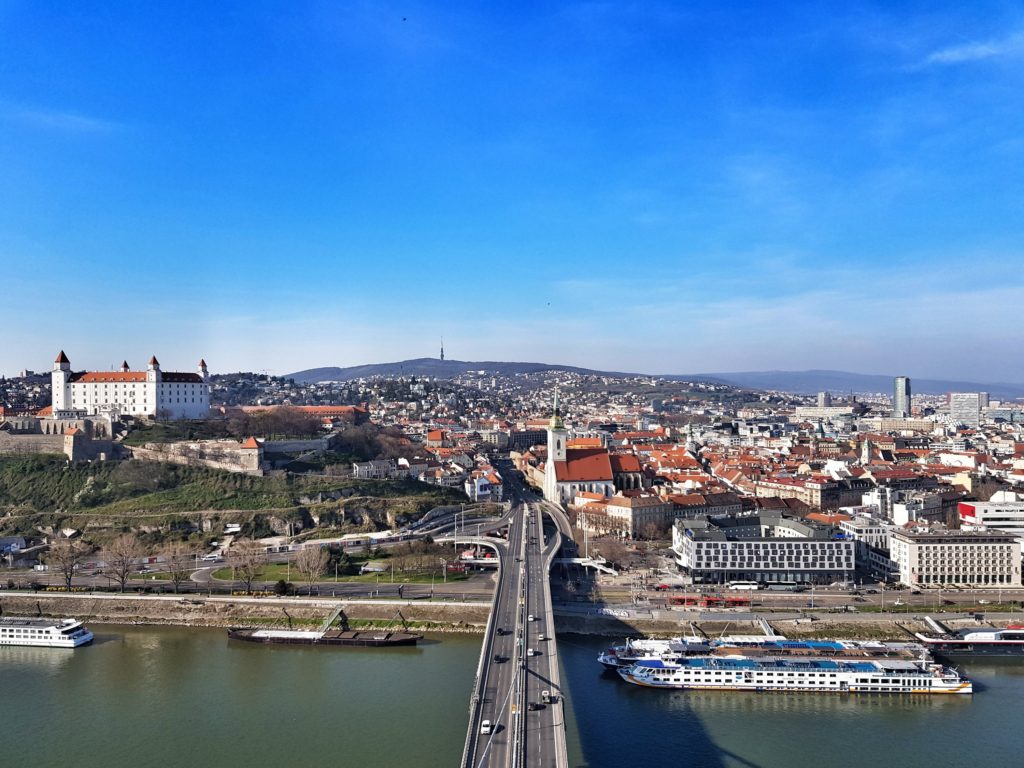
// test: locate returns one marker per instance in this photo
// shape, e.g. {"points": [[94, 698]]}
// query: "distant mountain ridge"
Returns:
{"points": [[809, 382], [430, 366], [797, 382]]}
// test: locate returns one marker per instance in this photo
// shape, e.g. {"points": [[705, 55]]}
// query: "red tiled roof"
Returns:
{"points": [[62, 358], [584, 465], [624, 462], [252, 442], [93, 377]]}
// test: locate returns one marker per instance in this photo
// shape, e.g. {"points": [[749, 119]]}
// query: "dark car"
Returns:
{"points": [[499, 659], [533, 706]]}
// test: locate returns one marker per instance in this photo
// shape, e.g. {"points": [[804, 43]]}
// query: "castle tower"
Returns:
{"points": [[60, 381], [202, 370], [124, 366]]}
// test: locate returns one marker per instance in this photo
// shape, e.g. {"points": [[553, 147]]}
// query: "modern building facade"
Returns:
{"points": [[901, 397], [965, 408], [764, 548], [1006, 516], [949, 557]]}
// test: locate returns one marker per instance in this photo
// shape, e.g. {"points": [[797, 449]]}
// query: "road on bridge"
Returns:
{"points": [[511, 724]]}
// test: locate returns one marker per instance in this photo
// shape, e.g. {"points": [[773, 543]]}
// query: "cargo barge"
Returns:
{"points": [[363, 638]]}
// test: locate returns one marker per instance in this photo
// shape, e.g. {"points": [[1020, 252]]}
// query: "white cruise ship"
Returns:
{"points": [[43, 633], [815, 675]]}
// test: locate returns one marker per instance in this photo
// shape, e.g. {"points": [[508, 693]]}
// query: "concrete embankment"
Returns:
{"points": [[244, 611], [863, 626]]}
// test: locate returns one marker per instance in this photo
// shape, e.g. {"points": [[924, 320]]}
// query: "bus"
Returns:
{"points": [[787, 586], [748, 585]]}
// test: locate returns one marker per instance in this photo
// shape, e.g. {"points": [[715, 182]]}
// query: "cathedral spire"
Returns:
{"points": [[556, 416]]}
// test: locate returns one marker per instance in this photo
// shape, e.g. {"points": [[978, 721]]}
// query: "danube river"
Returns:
{"points": [[168, 697]]}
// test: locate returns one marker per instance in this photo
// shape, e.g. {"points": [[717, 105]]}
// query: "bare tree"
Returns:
{"points": [[179, 558], [247, 558], [66, 555], [121, 557], [311, 562], [611, 547]]}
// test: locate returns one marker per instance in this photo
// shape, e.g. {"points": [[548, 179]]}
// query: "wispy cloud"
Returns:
{"points": [[57, 120], [1013, 45]]}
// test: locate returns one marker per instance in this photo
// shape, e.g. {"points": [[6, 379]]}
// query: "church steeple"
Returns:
{"points": [[556, 415]]}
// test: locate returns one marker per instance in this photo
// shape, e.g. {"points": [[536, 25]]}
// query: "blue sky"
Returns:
{"points": [[659, 187]]}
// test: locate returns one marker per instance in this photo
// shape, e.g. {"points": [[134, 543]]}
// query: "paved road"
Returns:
{"points": [[519, 658]]}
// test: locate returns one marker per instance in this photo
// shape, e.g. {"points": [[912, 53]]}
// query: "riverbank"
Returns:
{"points": [[867, 626], [465, 617], [452, 616]]}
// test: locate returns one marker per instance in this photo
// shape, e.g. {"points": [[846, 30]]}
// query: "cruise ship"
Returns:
{"points": [[43, 633], [674, 649], [973, 641], [632, 650], [809, 675]]}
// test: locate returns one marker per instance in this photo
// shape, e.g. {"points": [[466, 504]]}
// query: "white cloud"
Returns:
{"points": [[58, 120], [978, 50]]}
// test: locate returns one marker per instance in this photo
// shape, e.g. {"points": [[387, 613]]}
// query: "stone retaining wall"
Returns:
{"points": [[226, 612]]}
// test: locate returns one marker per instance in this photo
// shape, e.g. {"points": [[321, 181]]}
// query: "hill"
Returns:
{"points": [[809, 382], [429, 366], [798, 382]]}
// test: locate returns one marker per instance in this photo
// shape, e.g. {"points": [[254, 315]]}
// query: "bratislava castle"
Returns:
{"points": [[154, 393]]}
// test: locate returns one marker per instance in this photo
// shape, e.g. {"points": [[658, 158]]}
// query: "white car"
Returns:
{"points": [[530, 617], [485, 727]]}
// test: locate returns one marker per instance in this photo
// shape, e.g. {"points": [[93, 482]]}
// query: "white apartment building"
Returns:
{"points": [[794, 552], [153, 393], [965, 407], [1006, 516], [976, 559]]}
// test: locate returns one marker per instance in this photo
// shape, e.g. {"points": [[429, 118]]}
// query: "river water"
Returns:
{"points": [[167, 697]]}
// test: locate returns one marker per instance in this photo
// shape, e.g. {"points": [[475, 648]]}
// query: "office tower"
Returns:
{"points": [[965, 408], [901, 398]]}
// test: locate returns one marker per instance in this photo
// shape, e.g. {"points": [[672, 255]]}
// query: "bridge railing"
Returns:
{"points": [[480, 681]]}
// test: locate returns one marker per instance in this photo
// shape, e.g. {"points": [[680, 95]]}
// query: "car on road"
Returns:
{"points": [[499, 659], [542, 636], [485, 727], [530, 618], [502, 631], [533, 706], [530, 652]]}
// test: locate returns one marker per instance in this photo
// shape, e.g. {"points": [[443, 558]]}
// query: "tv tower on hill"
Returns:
{"points": [[442, 349]]}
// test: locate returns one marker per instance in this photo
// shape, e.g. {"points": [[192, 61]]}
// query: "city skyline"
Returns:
{"points": [[649, 189]]}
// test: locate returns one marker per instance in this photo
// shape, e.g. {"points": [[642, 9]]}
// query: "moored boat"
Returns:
{"points": [[973, 641], [43, 633], [365, 638], [807, 675]]}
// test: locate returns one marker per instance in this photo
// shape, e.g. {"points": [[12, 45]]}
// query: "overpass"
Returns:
{"points": [[511, 721], [587, 562]]}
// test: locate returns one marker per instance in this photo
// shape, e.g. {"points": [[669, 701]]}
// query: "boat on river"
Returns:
{"points": [[674, 649], [806, 675], [365, 638], [43, 633], [973, 641]]}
